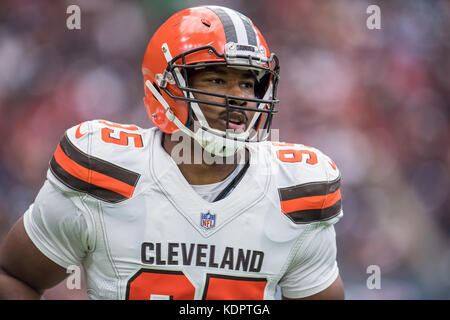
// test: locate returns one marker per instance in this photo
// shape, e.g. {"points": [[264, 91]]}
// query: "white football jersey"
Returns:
{"points": [[116, 203]]}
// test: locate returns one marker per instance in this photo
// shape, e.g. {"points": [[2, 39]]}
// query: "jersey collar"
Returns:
{"points": [[168, 178]]}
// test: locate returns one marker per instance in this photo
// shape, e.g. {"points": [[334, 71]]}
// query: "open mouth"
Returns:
{"points": [[237, 120]]}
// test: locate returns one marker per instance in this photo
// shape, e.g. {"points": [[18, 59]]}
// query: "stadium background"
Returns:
{"points": [[376, 101]]}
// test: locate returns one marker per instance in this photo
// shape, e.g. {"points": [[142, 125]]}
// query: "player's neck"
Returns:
{"points": [[195, 170]]}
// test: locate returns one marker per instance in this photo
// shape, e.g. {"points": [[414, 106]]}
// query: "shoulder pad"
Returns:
{"points": [[308, 184], [96, 157]]}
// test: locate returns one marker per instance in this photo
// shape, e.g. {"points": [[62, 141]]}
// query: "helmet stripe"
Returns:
{"points": [[228, 26], [239, 25], [238, 28], [251, 34]]}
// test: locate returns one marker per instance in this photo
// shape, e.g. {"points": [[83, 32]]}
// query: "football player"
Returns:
{"points": [[148, 221]]}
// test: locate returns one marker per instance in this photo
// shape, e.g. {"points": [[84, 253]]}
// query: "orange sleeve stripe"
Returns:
{"points": [[309, 203], [90, 176]]}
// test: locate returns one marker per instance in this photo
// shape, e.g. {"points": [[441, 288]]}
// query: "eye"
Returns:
{"points": [[248, 84], [216, 80]]}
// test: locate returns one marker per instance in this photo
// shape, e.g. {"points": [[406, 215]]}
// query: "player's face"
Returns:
{"points": [[226, 81]]}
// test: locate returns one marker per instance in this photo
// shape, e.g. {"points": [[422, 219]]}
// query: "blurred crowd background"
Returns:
{"points": [[376, 101]]}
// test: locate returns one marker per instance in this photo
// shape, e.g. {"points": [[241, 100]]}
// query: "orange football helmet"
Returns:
{"points": [[200, 37]]}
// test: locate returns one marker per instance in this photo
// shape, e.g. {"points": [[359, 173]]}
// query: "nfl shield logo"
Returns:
{"points": [[208, 220]]}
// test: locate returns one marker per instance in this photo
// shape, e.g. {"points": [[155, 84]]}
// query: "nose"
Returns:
{"points": [[236, 91]]}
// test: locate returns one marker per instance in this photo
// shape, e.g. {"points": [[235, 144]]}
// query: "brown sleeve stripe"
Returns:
{"points": [[312, 201], [309, 189], [80, 185], [107, 184], [97, 164]]}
